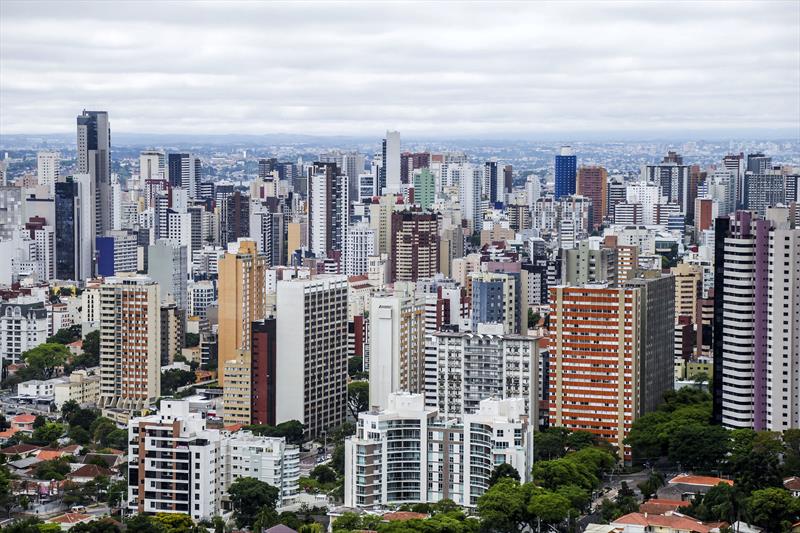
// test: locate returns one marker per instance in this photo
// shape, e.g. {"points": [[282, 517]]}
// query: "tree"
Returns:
{"points": [[49, 432], [191, 340], [142, 523], [174, 522], [66, 335], [357, 397], [323, 474], [337, 458], [355, 367], [504, 507], [347, 522], [69, 409], [104, 525], [175, 378], [550, 444], [548, 507], [6, 494], [249, 495], [578, 498], [755, 460], [117, 492], [559, 472], [650, 486], [503, 470], [578, 440], [626, 499], [720, 503], [91, 351], [26, 525], [698, 446], [101, 428], [773, 509], [53, 469], [39, 421], [43, 360], [791, 447]]}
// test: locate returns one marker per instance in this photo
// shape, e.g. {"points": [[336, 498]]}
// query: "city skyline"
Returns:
{"points": [[567, 70]]}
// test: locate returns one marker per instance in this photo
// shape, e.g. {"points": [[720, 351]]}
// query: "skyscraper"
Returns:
{"points": [[312, 352], [415, 245], [47, 169], [328, 206], [390, 171], [593, 183], [152, 166], [565, 172], [74, 227], [94, 158], [184, 170], [242, 298], [625, 336], [492, 188], [130, 342]]}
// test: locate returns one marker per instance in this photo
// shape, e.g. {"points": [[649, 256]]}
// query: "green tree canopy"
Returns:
{"points": [[503, 470], [248, 496], [43, 360]]}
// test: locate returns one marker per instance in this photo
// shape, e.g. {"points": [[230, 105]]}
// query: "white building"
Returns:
{"points": [[47, 169], [267, 459], [23, 325], [81, 386], [397, 346], [311, 360], [391, 161], [405, 454], [648, 195], [175, 463], [475, 366], [362, 243], [201, 294]]}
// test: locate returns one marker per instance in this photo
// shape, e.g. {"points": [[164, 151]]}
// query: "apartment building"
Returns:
{"points": [[130, 342], [415, 245], [407, 454], [179, 465], [23, 325], [81, 386], [311, 358], [474, 366], [397, 344], [611, 355]]}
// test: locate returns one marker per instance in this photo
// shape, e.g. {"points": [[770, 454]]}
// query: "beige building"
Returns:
{"points": [[130, 342], [242, 299], [238, 389], [81, 386], [380, 218], [688, 284]]}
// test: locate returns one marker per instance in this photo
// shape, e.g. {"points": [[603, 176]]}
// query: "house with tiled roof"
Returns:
{"points": [[67, 520], [792, 484], [23, 450], [23, 422], [667, 523], [662, 506], [687, 486], [86, 473]]}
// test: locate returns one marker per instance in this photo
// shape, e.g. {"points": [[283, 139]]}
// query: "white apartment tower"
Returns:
{"points": [[47, 169], [311, 360]]}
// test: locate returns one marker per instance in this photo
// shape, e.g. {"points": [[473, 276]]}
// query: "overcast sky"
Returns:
{"points": [[427, 69]]}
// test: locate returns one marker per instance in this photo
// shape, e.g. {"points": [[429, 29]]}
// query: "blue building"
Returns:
{"points": [[566, 172]]}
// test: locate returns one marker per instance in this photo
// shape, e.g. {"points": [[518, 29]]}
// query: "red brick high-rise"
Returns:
{"points": [[593, 183]]}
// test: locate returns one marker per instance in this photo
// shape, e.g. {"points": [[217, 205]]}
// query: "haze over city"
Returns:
{"points": [[438, 69]]}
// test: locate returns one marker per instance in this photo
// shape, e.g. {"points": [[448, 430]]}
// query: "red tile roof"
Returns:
{"points": [[674, 521], [402, 516], [657, 506], [91, 471], [703, 481], [19, 448], [71, 518], [23, 419], [792, 483]]}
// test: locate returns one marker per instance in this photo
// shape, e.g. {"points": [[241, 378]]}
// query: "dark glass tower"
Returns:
{"points": [[566, 172]]}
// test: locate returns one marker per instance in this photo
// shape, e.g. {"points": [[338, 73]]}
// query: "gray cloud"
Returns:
{"points": [[443, 68]]}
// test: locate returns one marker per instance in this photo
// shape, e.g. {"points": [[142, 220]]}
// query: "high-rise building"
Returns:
{"points": [[74, 226], [242, 298], [405, 454], [611, 355], [469, 179], [23, 326], [130, 342], [311, 366], [187, 479], [472, 367], [390, 178], [508, 179], [415, 245], [184, 170], [47, 169], [397, 346], [492, 186], [592, 183], [565, 172], [117, 251], [783, 329], [168, 266], [328, 210], [755, 321], [94, 159], [763, 190], [152, 166], [263, 372], [758, 163], [362, 243], [673, 177], [589, 264], [424, 188]]}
